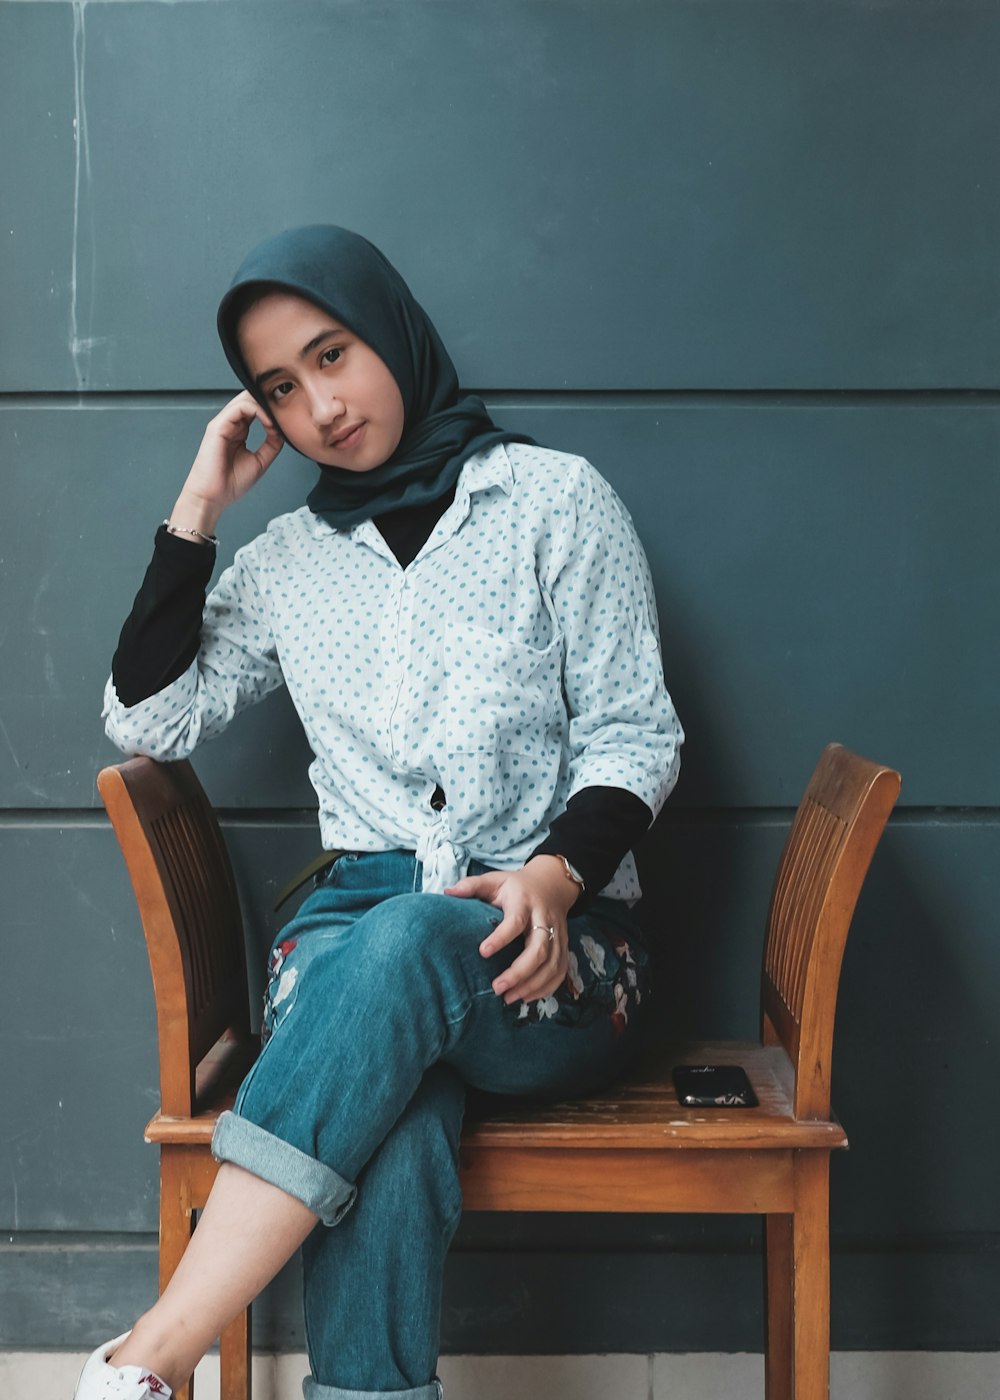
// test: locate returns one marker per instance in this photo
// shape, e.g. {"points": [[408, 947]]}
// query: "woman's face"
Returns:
{"points": [[329, 393]]}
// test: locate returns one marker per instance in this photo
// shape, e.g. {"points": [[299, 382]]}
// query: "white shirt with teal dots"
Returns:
{"points": [[514, 662]]}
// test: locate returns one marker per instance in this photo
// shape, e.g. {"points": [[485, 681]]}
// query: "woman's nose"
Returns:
{"points": [[324, 406]]}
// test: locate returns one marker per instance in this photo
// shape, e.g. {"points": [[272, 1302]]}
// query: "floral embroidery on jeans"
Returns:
{"points": [[602, 982], [280, 984]]}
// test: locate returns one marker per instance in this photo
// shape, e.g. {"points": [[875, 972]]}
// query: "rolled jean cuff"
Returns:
{"points": [[316, 1185], [312, 1390]]}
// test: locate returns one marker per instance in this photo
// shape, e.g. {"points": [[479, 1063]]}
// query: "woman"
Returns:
{"points": [[466, 625]]}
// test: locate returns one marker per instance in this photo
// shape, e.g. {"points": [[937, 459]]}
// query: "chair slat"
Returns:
{"points": [[826, 856], [189, 906]]}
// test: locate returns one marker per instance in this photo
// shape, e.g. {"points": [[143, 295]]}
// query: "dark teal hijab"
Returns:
{"points": [[348, 277]]}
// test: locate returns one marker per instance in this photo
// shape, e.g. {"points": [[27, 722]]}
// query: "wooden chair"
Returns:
{"points": [[633, 1148]]}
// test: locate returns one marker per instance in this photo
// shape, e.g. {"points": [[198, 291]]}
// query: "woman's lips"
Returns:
{"points": [[351, 440]]}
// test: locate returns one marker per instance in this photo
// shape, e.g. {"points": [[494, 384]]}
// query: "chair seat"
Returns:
{"points": [[634, 1147], [218, 1077], [641, 1111]]}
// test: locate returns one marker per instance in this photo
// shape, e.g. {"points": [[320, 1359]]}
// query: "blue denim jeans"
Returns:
{"points": [[379, 1010]]}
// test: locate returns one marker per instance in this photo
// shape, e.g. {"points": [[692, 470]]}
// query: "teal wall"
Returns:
{"points": [[743, 255]]}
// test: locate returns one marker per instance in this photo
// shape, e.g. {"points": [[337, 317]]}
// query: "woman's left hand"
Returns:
{"points": [[535, 898]]}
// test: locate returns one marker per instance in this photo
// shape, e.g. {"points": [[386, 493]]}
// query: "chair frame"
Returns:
{"points": [[632, 1148]]}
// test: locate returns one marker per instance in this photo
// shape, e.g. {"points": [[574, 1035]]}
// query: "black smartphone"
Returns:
{"points": [[713, 1086]]}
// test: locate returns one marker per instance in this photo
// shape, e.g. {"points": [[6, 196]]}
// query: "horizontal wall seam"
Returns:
{"points": [[947, 1242], [15, 817], [272, 816], [551, 398]]}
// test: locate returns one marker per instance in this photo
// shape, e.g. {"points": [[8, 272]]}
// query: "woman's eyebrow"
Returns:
{"points": [[316, 340]]}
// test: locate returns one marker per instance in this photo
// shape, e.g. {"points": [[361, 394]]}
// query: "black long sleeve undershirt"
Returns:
{"points": [[161, 636]]}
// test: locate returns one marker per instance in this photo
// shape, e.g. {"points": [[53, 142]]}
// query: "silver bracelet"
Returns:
{"points": [[183, 530]]}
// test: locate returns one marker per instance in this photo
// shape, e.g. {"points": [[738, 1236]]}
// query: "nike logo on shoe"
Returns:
{"points": [[153, 1384]]}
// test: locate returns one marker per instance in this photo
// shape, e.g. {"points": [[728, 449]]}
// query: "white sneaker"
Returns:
{"points": [[99, 1381]]}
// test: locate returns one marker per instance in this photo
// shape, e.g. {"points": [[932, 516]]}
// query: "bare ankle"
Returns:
{"points": [[150, 1346]]}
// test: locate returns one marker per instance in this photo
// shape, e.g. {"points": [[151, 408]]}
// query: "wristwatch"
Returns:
{"points": [[571, 870]]}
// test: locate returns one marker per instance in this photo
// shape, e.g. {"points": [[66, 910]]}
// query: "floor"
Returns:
{"points": [[701, 1376]]}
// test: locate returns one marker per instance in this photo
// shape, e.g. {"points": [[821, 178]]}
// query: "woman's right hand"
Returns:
{"points": [[225, 469]]}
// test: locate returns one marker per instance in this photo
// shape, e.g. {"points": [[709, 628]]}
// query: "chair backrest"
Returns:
{"points": [[826, 857], [189, 906]]}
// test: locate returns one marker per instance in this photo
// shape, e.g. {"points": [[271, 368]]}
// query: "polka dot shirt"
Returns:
{"points": [[514, 662]]}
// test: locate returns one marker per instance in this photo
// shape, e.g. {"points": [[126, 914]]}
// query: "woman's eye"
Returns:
{"points": [[334, 350], [280, 390]]}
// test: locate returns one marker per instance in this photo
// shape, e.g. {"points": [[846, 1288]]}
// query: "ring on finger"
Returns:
{"points": [[546, 928]]}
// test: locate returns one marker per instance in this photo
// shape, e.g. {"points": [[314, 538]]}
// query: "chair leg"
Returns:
{"points": [[176, 1227], [778, 1307], [234, 1359], [797, 1288]]}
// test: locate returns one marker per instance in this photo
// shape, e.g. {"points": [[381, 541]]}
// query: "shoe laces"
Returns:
{"points": [[144, 1386]]}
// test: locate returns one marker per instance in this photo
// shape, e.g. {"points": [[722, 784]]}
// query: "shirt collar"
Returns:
{"points": [[479, 473], [486, 469]]}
